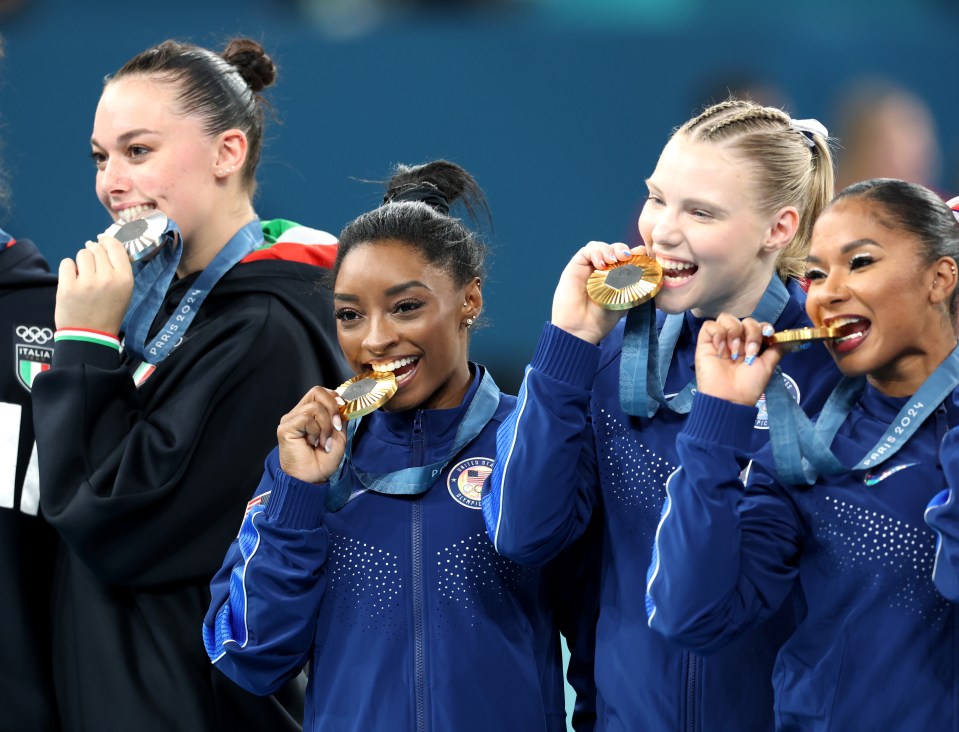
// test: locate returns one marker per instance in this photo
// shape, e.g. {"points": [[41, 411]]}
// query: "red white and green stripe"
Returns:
{"points": [[287, 240], [87, 336], [30, 369]]}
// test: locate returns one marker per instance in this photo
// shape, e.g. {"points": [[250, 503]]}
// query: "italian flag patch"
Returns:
{"points": [[143, 372]]}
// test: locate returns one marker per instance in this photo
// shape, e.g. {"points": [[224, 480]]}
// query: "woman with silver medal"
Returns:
{"points": [[364, 551], [148, 451], [726, 226], [846, 510]]}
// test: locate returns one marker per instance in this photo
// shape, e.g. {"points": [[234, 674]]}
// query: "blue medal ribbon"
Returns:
{"points": [[350, 480], [802, 451], [645, 359], [152, 280]]}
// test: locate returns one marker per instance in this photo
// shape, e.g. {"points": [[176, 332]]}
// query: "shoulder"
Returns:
{"points": [[507, 403]]}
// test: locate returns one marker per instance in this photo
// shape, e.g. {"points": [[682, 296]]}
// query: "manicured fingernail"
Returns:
{"points": [[749, 360], [768, 330], [329, 443], [735, 356], [339, 400], [313, 440], [337, 422]]}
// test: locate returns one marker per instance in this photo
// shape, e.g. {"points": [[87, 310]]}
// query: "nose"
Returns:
{"points": [[380, 335], [826, 293], [659, 225], [112, 178]]}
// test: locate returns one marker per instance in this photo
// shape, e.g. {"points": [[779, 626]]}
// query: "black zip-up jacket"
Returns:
{"points": [[27, 543], [147, 484]]}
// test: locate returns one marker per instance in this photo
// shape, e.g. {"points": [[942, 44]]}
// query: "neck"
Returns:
{"points": [[905, 375], [742, 302], [452, 396], [203, 244]]}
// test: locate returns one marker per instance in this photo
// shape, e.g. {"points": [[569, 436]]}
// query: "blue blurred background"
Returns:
{"points": [[558, 107]]}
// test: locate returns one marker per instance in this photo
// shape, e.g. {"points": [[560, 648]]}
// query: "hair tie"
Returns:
{"points": [[809, 127], [426, 192], [954, 205]]}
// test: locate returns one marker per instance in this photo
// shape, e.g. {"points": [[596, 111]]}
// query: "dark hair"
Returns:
{"points": [[221, 89], [916, 209], [793, 168], [415, 211]]}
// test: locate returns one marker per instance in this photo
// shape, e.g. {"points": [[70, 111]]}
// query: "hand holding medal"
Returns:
{"points": [[312, 438], [577, 311]]}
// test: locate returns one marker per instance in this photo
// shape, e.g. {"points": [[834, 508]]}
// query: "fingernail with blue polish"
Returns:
{"points": [[749, 360], [768, 330], [735, 356]]}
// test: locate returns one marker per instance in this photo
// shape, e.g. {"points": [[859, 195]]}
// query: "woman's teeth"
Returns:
{"points": [[676, 271], [135, 212], [393, 365], [673, 265]]}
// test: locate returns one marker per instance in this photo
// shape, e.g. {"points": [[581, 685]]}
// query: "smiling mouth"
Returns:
{"points": [[675, 271], [400, 367], [852, 331]]}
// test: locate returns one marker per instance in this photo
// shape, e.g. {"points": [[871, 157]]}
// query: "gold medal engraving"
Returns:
{"points": [[141, 237], [366, 392], [626, 284]]}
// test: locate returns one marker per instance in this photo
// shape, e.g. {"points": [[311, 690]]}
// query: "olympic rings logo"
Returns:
{"points": [[33, 334]]}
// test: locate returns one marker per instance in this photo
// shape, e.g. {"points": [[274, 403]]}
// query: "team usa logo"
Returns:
{"points": [[31, 354], [466, 478], [762, 417]]}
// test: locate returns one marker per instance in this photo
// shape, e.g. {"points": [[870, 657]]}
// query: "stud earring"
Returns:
{"points": [[469, 322]]}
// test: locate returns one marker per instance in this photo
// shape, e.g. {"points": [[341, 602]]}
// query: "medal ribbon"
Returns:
{"points": [[152, 280], [801, 451], [348, 479], [644, 362]]}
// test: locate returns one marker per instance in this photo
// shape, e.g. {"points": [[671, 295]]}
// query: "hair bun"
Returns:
{"points": [[439, 182], [252, 62]]}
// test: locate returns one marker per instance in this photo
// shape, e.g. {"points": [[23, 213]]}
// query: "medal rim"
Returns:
{"points": [[612, 298], [381, 393], [803, 335]]}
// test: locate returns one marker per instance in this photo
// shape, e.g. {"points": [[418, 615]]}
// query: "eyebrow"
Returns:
{"points": [[692, 202], [127, 136], [846, 248], [389, 292]]}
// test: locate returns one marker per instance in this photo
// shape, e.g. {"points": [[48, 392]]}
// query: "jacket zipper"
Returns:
{"points": [[419, 671], [692, 691]]}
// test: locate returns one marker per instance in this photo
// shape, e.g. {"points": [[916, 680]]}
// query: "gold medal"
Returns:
{"points": [[142, 237], [626, 284], [366, 393], [798, 337]]}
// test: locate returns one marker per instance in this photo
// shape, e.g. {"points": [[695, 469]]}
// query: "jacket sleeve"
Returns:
{"points": [[149, 490], [725, 556], [543, 486], [942, 516], [260, 626]]}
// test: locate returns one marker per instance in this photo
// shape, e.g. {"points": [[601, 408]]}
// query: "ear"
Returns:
{"points": [[472, 299], [782, 229], [944, 280], [231, 148]]}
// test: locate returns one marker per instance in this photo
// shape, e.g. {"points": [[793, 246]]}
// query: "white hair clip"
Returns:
{"points": [[808, 128]]}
